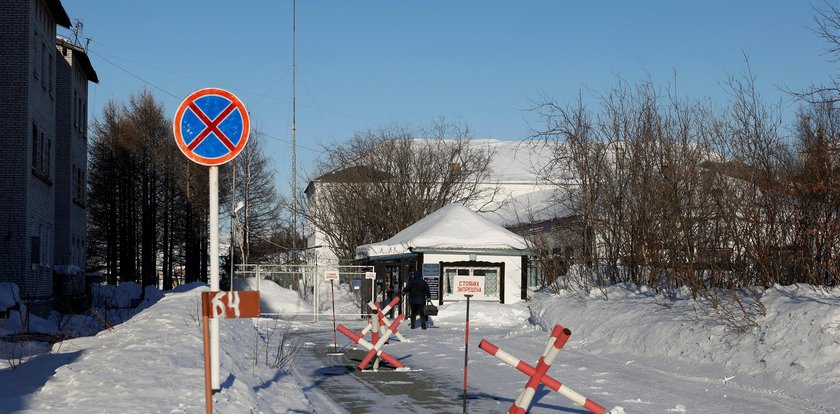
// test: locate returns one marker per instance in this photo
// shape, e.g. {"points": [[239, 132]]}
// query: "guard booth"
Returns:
{"points": [[454, 241], [394, 272]]}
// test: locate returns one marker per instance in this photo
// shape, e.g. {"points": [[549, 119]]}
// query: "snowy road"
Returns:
{"points": [[435, 382]]}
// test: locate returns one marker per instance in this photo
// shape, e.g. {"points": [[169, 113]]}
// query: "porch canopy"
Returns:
{"points": [[452, 228]]}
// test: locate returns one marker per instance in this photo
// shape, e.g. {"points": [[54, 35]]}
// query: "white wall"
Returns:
{"points": [[513, 270]]}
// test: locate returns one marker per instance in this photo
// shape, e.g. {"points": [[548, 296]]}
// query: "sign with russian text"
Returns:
{"points": [[331, 275], [370, 275], [431, 273], [469, 285]]}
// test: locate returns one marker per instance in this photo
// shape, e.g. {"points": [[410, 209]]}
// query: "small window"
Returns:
{"points": [[35, 249], [44, 65], [36, 150], [45, 165], [78, 185], [50, 78], [84, 120], [36, 52], [35, 244]]}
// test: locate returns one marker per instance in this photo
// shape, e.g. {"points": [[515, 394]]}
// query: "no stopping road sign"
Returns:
{"points": [[211, 126]]}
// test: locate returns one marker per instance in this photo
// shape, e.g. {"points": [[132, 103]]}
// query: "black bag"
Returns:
{"points": [[430, 310]]}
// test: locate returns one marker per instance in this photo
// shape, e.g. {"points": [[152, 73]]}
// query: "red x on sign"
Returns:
{"points": [[211, 126]]}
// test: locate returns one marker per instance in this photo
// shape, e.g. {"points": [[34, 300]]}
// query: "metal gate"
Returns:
{"points": [[309, 283]]}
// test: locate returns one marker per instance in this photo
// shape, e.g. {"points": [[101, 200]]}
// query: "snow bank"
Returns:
{"points": [[16, 322], [798, 340], [483, 314], [274, 299], [9, 295], [346, 299], [151, 363], [124, 295]]}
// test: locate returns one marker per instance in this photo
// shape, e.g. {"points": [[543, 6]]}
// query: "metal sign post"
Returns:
{"points": [[215, 305], [214, 273], [466, 350], [335, 340], [332, 276], [211, 127], [372, 277]]}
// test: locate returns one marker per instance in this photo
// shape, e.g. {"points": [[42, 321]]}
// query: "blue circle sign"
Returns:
{"points": [[211, 126]]}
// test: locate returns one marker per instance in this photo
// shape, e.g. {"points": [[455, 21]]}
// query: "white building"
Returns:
{"points": [[522, 197], [455, 241]]}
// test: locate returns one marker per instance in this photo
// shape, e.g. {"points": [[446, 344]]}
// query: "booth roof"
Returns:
{"points": [[453, 227]]}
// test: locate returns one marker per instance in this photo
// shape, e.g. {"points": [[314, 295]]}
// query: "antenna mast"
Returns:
{"points": [[294, 131]]}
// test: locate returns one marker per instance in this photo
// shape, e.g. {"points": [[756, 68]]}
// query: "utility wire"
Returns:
{"points": [[133, 75]]}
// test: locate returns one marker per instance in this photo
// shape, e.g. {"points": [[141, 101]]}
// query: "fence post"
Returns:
{"points": [[316, 283], [258, 277]]}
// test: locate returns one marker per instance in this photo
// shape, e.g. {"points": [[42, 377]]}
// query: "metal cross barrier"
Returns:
{"points": [[375, 349], [384, 322], [538, 375]]}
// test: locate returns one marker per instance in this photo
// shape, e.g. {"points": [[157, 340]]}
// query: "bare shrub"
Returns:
{"points": [[274, 346]]}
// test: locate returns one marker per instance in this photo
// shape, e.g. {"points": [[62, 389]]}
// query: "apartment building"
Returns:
{"points": [[43, 161]]}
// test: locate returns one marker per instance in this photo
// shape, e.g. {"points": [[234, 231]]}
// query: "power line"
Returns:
{"points": [[134, 75]]}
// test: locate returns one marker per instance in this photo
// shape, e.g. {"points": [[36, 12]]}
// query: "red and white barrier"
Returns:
{"points": [[374, 349], [384, 322], [558, 338], [537, 375]]}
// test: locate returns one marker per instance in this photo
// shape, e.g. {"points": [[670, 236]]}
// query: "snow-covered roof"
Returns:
{"points": [[534, 206], [513, 161], [452, 227]]}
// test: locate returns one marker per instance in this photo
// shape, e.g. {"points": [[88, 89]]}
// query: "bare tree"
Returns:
{"points": [[255, 187], [815, 184], [827, 27], [657, 195], [383, 180]]}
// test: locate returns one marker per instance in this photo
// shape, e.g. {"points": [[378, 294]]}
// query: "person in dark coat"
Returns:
{"points": [[390, 294], [418, 292]]}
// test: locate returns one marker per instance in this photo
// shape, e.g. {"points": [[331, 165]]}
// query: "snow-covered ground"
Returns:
{"points": [[633, 353]]}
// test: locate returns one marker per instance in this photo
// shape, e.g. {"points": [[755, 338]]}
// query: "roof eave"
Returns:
{"points": [[59, 14], [471, 250]]}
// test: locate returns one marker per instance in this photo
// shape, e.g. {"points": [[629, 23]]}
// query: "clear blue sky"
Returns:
{"points": [[362, 64]]}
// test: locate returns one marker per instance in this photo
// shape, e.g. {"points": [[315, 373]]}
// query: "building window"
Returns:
{"points": [[79, 114], [78, 185], [36, 250], [45, 166], [41, 153], [35, 245], [84, 120], [50, 78], [491, 276], [44, 65], [36, 152], [36, 44]]}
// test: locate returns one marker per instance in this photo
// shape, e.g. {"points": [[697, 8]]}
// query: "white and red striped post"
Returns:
{"points": [[545, 379], [373, 350], [384, 322], [374, 320], [558, 338], [377, 347]]}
